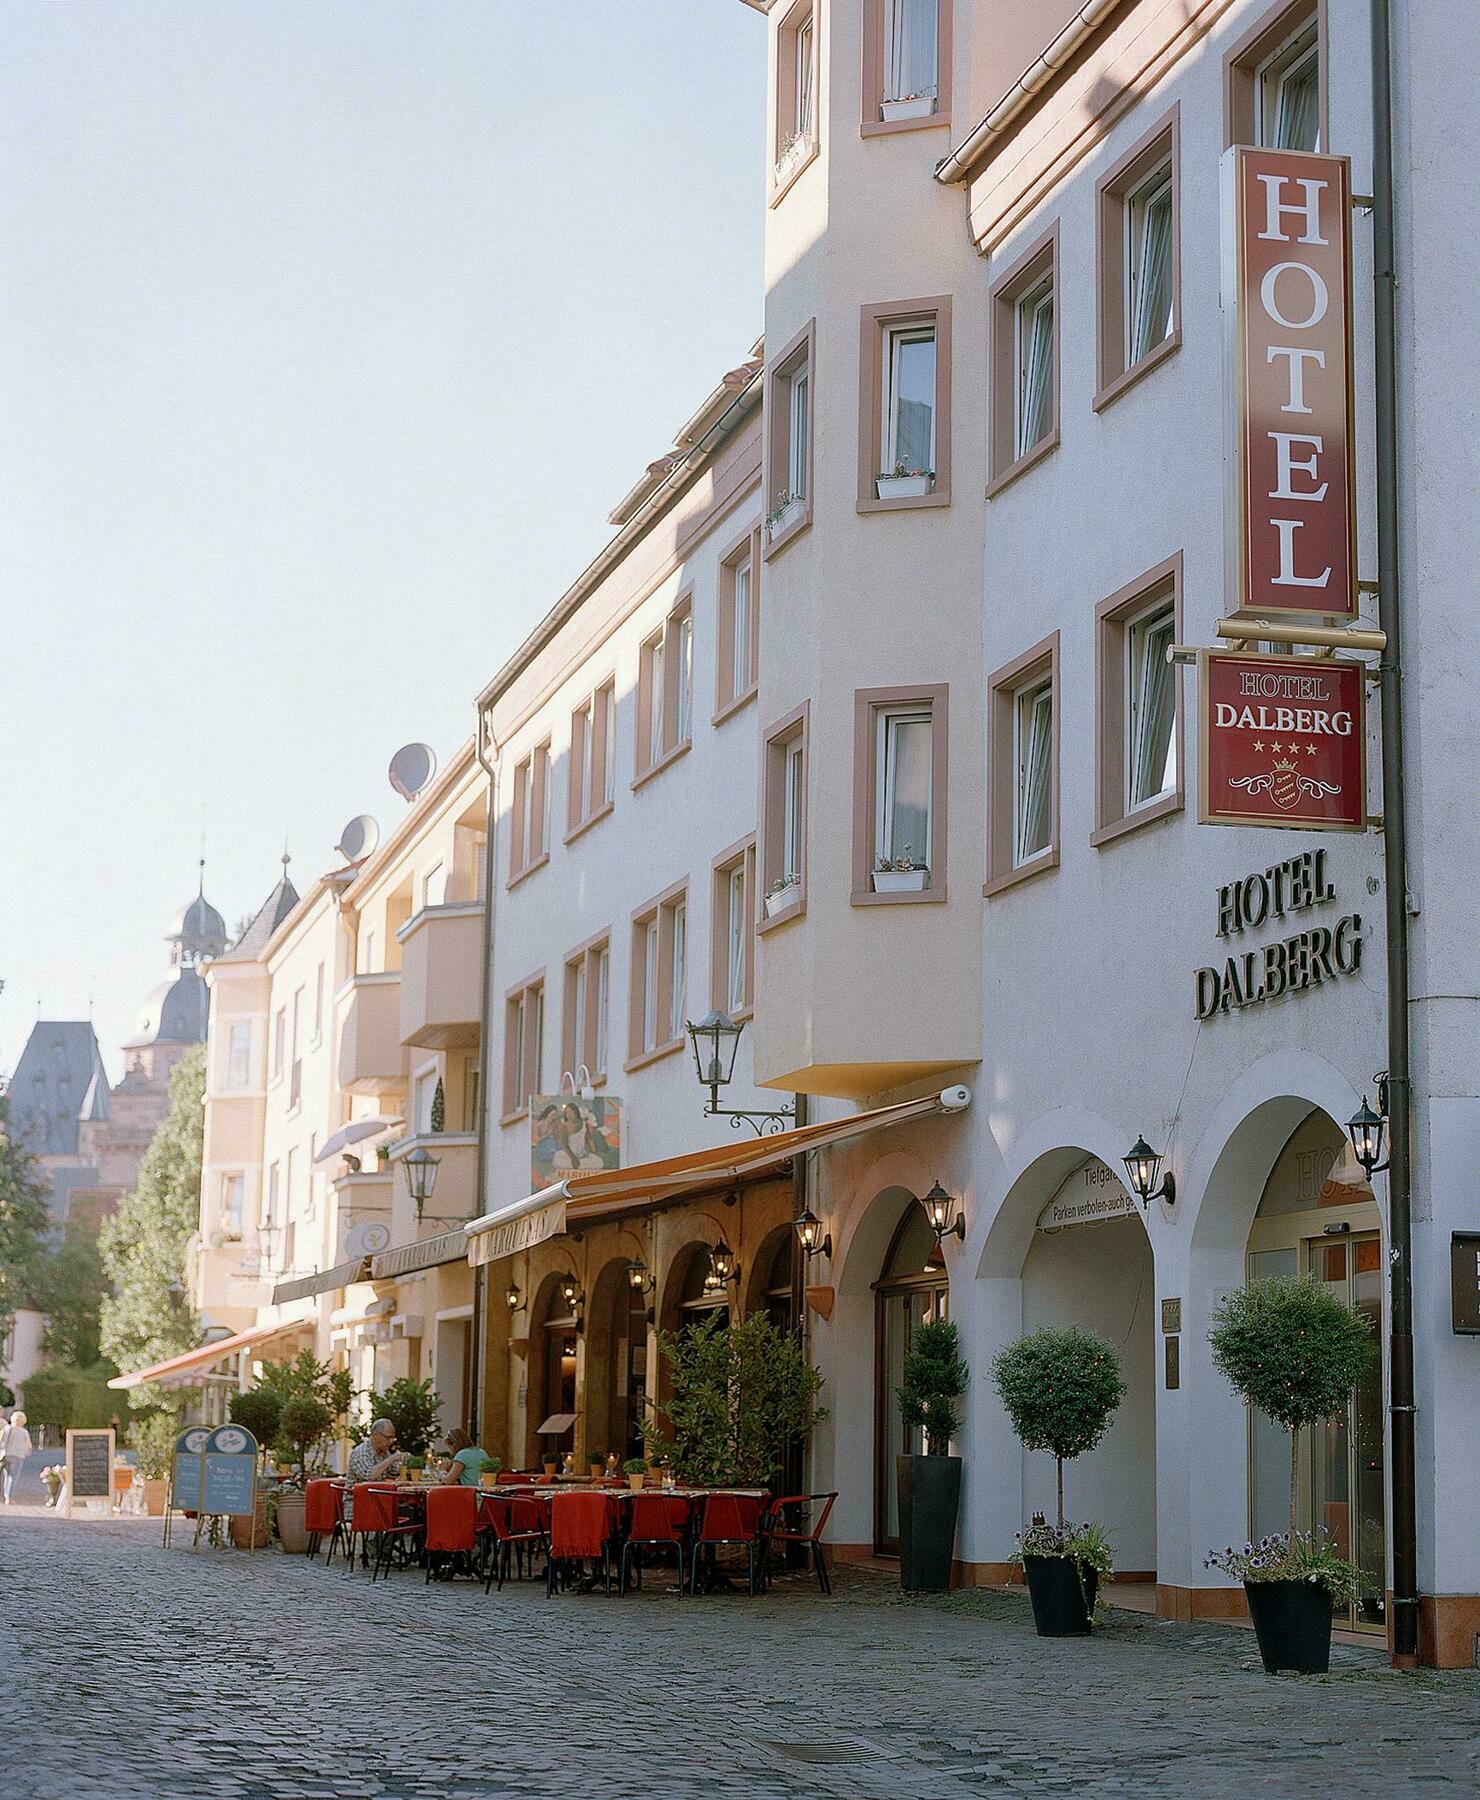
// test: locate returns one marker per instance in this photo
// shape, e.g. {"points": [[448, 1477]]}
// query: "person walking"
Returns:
{"points": [[15, 1447]]}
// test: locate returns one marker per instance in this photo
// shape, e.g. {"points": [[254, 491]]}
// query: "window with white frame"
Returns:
{"points": [[318, 1004], [799, 424], [587, 1007], [290, 1184], [735, 662], [685, 678], [530, 822], [1033, 366], [592, 741], [732, 918], [233, 1205], [665, 691], [602, 1033], [1148, 263], [788, 427], [239, 1055], [793, 811], [1287, 94], [741, 652], [678, 984], [268, 1218], [655, 683], [783, 839], [903, 757], [1033, 766], [524, 1045], [1150, 685], [911, 49], [650, 965], [804, 53], [609, 742], [659, 975], [279, 1042], [908, 446]]}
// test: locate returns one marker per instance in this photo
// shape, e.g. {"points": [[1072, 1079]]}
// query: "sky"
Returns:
{"points": [[330, 333]]}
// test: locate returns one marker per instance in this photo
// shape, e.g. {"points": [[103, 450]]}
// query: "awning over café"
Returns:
{"points": [[197, 1361], [582, 1198], [424, 1253], [326, 1281]]}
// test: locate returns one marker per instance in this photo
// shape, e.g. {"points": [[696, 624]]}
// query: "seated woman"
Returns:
{"points": [[468, 1460]]}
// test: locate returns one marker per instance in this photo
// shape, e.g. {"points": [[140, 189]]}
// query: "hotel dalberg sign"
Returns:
{"points": [[1287, 309], [1282, 741]]}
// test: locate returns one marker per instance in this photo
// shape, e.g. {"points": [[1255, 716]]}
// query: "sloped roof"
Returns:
{"points": [[265, 921], [55, 1075]]}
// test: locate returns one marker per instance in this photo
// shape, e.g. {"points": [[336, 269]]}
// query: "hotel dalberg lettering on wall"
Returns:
{"points": [[1287, 307], [1290, 965]]}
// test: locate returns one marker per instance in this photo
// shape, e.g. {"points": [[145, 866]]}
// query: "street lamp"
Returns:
{"points": [[810, 1235], [722, 1263], [1141, 1163], [1366, 1130], [421, 1175], [514, 1297], [637, 1275], [716, 1038], [941, 1209]]}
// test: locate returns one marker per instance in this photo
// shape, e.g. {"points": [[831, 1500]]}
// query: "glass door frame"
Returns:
{"points": [[936, 1290]]}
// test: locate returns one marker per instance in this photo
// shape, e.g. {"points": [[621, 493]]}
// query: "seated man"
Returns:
{"points": [[468, 1460], [376, 1458]]}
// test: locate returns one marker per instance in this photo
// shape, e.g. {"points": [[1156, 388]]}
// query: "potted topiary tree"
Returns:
{"points": [[1061, 1387], [305, 1423], [935, 1377], [1294, 1351], [260, 1410]]}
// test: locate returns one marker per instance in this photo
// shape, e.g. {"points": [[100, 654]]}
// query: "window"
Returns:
{"points": [[434, 885], [784, 810], [1138, 703], [739, 620], [239, 1056], [906, 65], [659, 976], [421, 1103], [268, 1217], [1274, 81], [289, 1184], [472, 1092], [295, 1081], [530, 823], [796, 97], [279, 1042], [524, 1045], [899, 787], [1022, 767], [318, 1004], [233, 1205], [1025, 377], [732, 913], [910, 48], [1137, 258], [592, 778], [904, 439], [789, 442], [665, 690], [587, 1006]]}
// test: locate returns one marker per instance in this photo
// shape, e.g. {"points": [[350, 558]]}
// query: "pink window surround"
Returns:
{"points": [[1113, 819], [659, 910], [524, 1020], [1158, 146], [1039, 259], [741, 855], [873, 122], [669, 636], [875, 323], [529, 813], [586, 958], [783, 178], [792, 728], [1261, 40], [745, 550], [868, 703], [799, 356], [1003, 687], [588, 748]]}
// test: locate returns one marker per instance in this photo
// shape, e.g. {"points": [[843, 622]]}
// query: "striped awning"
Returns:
{"points": [[197, 1361]]}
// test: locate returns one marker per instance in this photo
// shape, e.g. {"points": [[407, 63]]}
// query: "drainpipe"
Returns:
{"points": [[1395, 858], [796, 1473], [480, 1275]]}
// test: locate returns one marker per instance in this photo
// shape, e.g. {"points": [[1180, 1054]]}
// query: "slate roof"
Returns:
{"points": [[53, 1081], [273, 910]]}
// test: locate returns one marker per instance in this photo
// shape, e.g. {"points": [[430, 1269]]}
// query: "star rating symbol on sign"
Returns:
{"points": [[1310, 749], [1258, 745]]}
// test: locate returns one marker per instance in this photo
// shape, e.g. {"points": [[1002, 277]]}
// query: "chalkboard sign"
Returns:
{"points": [[185, 1470], [230, 1454], [89, 1466]]}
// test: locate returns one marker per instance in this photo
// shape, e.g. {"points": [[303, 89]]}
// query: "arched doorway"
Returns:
{"points": [[616, 1364], [695, 1298], [553, 1344], [1089, 1263], [912, 1288], [770, 1284], [1317, 1217]]}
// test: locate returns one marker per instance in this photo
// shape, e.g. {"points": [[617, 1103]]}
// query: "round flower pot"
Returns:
{"points": [[1061, 1606], [292, 1531], [244, 1529], [929, 1500], [156, 1493], [488, 1481], [1292, 1621], [635, 1482]]}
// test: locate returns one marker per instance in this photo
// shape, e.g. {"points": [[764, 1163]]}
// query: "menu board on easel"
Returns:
{"points": [[90, 1467], [228, 1481], [186, 1469]]}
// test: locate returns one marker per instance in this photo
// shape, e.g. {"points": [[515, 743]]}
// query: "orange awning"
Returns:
{"points": [[203, 1355], [581, 1198]]}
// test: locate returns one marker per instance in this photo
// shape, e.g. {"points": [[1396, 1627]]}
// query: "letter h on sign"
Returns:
{"points": [[1291, 513]]}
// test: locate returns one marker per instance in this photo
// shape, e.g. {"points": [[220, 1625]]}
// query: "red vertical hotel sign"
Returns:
{"points": [[1282, 741], [1288, 302]]}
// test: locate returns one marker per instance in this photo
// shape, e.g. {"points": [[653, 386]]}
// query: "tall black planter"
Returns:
{"points": [[1063, 1595], [929, 1499], [1292, 1621]]}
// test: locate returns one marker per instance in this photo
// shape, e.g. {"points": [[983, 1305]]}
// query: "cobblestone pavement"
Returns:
{"points": [[128, 1670]]}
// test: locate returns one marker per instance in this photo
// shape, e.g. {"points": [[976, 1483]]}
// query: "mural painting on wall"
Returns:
{"points": [[573, 1134]]}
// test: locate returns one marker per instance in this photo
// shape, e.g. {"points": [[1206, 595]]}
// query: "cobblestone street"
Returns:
{"points": [[128, 1670]]}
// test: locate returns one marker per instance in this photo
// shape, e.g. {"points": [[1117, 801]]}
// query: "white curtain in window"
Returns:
{"points": [[906, 772], [1035, 367], [1289, 95], [1150, 221], [1153, 710], [609, 766], [736, 932], [911, 31], [1035, 770], [677, 1003], [796, 458], [740, 648], [911, 403], [685, 679]]}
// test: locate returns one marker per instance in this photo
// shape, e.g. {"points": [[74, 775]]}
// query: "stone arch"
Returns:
{"points": [[542, 1372], [769, 1270], [615, 1357]]}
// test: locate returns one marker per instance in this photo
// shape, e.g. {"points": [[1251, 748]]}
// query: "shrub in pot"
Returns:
{"points": [[935, 1378], [1295, 1352], [635, 1469], [1061, 1387]]}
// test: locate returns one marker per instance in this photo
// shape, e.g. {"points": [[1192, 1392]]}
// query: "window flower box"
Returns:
{"points": [[792, 155], [784, 515], [908, 106], [782, 894], [913, 484], [901, 881]]}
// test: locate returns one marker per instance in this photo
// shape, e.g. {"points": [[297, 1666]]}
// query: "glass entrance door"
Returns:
{"points": [[1347, 1465], [912, 1291]]}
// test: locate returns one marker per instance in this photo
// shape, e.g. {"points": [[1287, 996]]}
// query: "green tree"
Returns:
{"points": [[25, 1226], [413, 1407], [935, 1376], [145, 1318], [305, 1424], [72, 1285], [1061, 1388], [1294, 1351]]}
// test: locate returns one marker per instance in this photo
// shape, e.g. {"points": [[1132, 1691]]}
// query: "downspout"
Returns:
{"points": [[1395, 857], [796, 1473], [480, 1274]]}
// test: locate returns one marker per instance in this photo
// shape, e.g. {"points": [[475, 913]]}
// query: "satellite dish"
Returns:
{"points": [[367, 1238], [412, 767], [358, 838]]}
